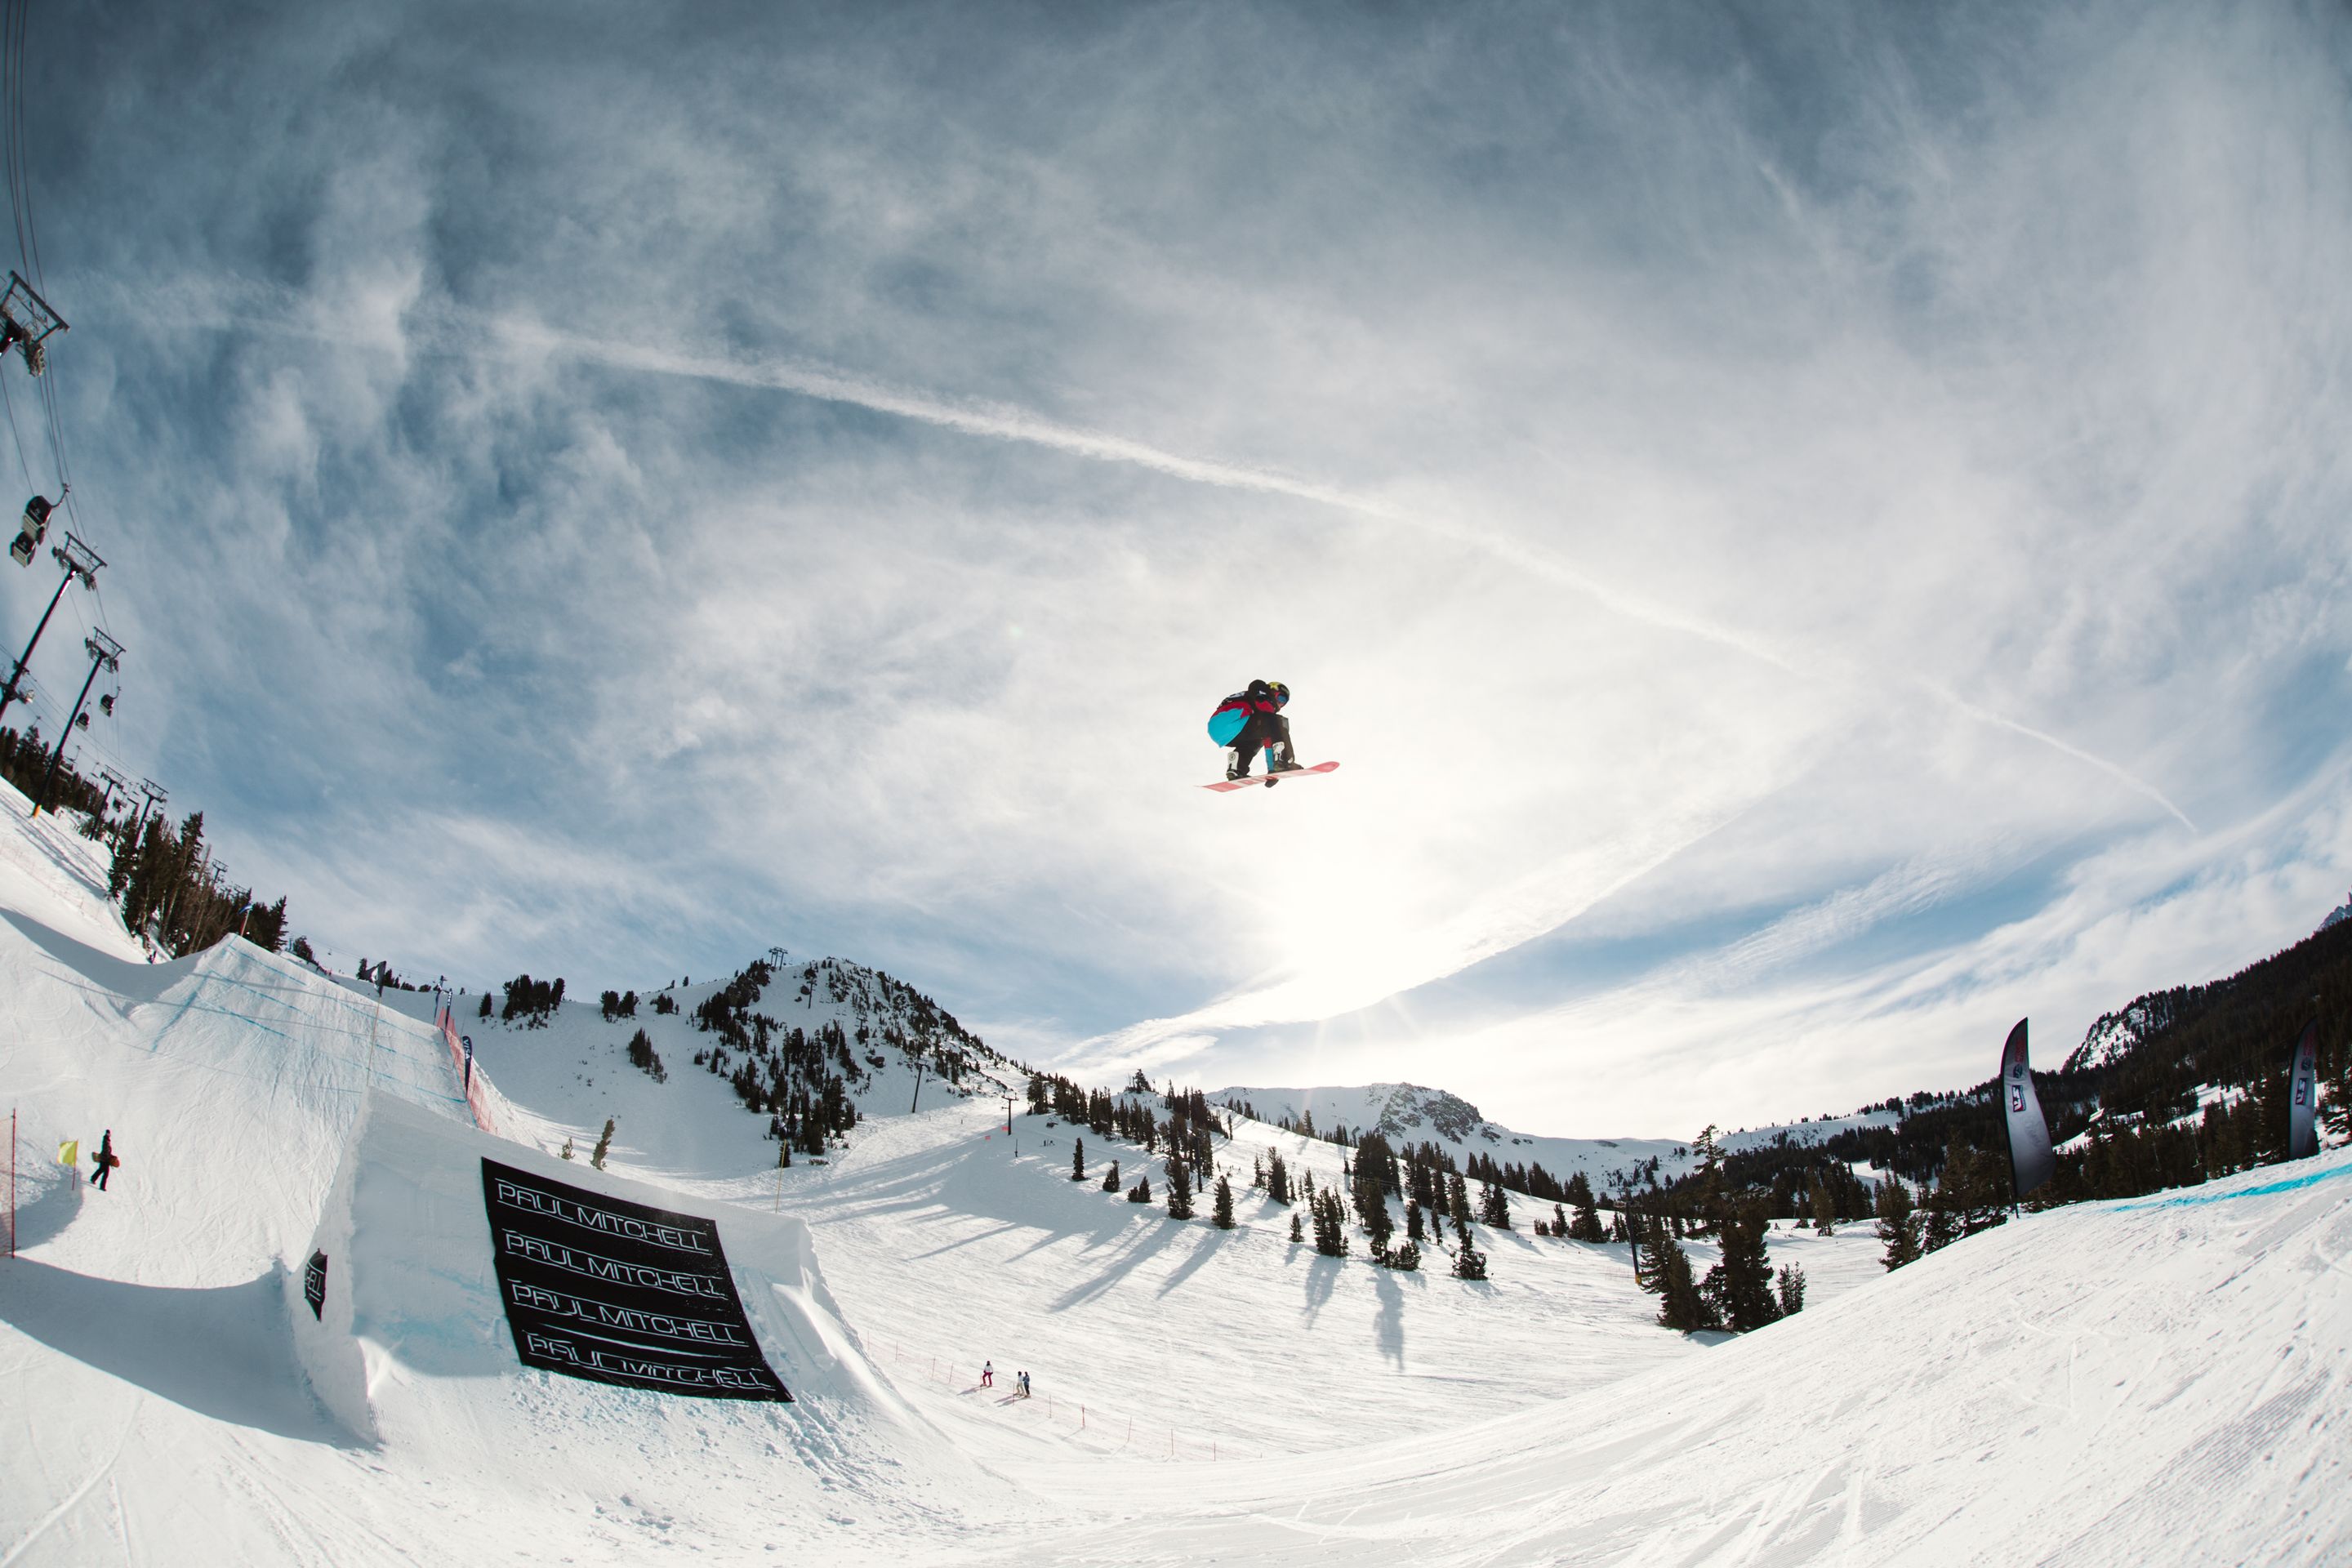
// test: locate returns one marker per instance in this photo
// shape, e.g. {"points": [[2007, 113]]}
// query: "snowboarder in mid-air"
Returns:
{"points": [[1251, 721], [104, 1159]]}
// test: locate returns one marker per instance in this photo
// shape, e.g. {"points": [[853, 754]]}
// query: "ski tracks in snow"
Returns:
{"points": [[104, 1472]]}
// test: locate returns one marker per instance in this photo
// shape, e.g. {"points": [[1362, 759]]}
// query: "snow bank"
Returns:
{"points": [[2162, 1381]]}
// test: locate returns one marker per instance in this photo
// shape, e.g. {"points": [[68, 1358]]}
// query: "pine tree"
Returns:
{"points": [[1110, 1178], [1180, 1191], [1295, 1237], [1824, 1208], [1405, 1260], [566, 1150], [1458, 1201], [1586, 1226], [1714, 1201], [1681, 1305], [1469, 1263], [1647, 1240], [1976, 1185], [1079, 1160], [1330, 1224], [1899, 1224], [1141, 1191], [643, 1057], [603, 1143], [1223, 1215], [1791, 1289], [486, 1006], [1412, 1231], [1943, 1226], [1493, 1208], [1739, 1288]]}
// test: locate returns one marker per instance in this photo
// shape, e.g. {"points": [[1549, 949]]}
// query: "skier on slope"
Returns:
{"points": [[1251, 720], [104, 1159], [988, 1374]]}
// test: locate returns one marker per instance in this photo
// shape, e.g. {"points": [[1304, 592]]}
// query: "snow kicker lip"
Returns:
{"points": [[614, 1291], [2264, 1189]]}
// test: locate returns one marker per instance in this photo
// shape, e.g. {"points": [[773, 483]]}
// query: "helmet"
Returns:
{"points": [[1281, 692]]}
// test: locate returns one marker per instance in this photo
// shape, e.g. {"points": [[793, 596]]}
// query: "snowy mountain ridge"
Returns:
{"points": [[1411, 1113]]}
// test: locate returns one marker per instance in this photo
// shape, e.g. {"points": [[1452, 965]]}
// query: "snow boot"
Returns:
{"points": [[1237, 767]]}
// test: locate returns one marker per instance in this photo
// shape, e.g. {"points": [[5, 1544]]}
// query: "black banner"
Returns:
{"points": [[616, 1292], [314, 1285], [2302, 1095], [2031, 1161]]}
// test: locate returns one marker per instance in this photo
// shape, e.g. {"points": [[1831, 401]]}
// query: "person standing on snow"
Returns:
{"points": [[1024, 1385], [988, 1374], [104, 1159], [1251, 721]]}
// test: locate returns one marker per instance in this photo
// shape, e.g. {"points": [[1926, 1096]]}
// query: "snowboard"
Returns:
{"points": [[1222, 785]]}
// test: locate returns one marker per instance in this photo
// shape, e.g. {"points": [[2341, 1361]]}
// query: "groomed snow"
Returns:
{"points": [[2162, 1381]]}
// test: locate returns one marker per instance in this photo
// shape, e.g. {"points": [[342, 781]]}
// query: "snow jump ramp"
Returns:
{"points": [[456, 1279]]}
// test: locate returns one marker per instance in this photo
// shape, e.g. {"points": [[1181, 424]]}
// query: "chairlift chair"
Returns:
{"points": [[26, 323], [34, 528]]}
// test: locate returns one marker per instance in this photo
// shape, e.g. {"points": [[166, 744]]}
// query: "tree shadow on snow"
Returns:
{"points": [[1388, 1328], [914, 1186], [1205, 1248], [224, 1352], [1322, 1279], [1123, 1262]]}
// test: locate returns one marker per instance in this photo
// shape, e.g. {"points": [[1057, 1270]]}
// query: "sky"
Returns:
{"points": [[1813, 533]]}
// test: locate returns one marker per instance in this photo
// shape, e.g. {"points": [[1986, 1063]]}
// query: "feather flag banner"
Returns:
{"points": [[2031, 1161]]}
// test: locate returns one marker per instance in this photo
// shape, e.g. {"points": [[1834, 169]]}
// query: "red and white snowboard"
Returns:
{"points": [[1224, 784]]}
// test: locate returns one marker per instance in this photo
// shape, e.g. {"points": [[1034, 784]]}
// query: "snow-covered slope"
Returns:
{"points": [[2166, 1380]]}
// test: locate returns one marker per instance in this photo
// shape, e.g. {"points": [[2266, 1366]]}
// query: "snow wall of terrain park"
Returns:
{"points": [[233, 1080], [411, 1341]]}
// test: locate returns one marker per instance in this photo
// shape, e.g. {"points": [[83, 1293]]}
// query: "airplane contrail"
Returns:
{"points": [[1006, 422]]}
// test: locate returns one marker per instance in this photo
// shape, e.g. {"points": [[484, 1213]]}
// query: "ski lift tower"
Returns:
{"points": [[26, 324], [105, 653], [155, 795], [82, 563]]}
